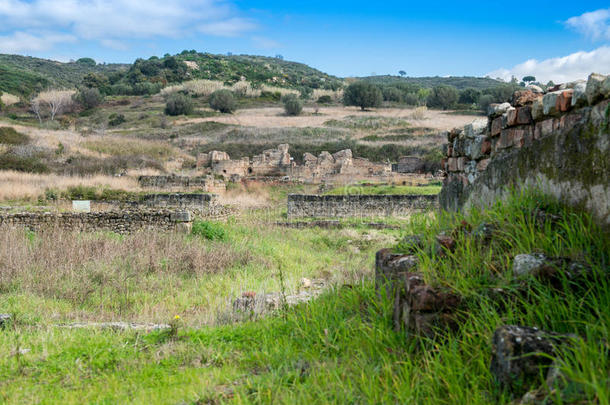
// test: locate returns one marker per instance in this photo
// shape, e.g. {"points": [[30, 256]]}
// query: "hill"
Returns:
{"points": [[463, 82], [24, 75]]}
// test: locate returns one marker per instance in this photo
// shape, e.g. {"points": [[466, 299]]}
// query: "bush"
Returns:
{"points": [[443, 97], [223, 101], [484, 101], [9, 136], [271, 95], [9, 161], [178, 104], [88, 98], [469, 96], [325, 99], [292, 104], [363, 95], [392, 94], [209, 230], [116, 119]]}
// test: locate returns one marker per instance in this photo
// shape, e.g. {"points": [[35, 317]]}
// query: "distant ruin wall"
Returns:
{"points": [[173, 182], [356, 206], [558, 142], [119, 222]]}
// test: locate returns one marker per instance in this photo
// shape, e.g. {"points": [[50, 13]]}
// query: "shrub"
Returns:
{"points": [[392, 94], [469, 96], [9, 136], [9, 161], [209, 230], [271, 95], [363, 95], [292, 104], [116, 119], [484, 101], [223, 101], [443, 97], [178, 104], [88, 98], [325, 99]]}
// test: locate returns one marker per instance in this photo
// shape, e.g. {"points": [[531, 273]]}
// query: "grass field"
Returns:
{"points": [[340, 348]]}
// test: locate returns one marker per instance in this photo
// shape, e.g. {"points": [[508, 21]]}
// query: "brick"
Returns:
{"points": [[524, 115], [564, 101], [496, 126]]}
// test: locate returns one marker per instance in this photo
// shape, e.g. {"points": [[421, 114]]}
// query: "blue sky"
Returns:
{"points": [[551, 39]]}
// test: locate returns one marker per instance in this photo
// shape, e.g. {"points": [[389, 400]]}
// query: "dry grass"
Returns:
{"points": [[419, 113], [9, 99], [29, 186], [274, 117], [334, 95], [203, 88], [107, 274], [115, 146]]}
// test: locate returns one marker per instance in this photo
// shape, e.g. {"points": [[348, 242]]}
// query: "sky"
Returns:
{"points": [[552, 40]]}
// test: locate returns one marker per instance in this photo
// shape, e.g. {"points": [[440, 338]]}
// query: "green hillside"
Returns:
{"points": [[24, 75], [258, 69], [463, 82]]}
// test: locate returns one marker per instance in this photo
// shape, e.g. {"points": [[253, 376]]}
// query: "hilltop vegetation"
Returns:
{"points": [[460, 83]]}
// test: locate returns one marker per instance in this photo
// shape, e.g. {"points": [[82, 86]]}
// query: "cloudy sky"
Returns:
{"points": [[552, 40]]}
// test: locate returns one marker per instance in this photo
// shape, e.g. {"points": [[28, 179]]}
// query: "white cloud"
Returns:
{"points": [[231, 27], [594, 24], [265, 43], [113, 21], [27, 42], [575, 66], [114, 44]]}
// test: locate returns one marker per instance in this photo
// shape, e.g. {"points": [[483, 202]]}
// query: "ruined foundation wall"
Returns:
{"points": [[119, 222], [558, 142], [356, 206]]}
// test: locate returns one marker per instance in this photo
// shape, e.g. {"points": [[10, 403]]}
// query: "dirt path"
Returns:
{"points": [[273, 117]]}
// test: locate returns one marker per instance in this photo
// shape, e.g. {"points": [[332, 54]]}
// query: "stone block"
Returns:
{"points": [[524, 115], [482, 164], [476, 127], [496, 126], [594, 88], [564, 101], [537, 109], [525, 97], [521, 354], [544, 128], [549, 103], [511, 117], [461, 163], [579, 96], [486, 147], [452, 165], [505, 140], [496, 110]]}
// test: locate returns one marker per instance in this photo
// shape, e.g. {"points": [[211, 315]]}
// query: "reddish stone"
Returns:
{"points": [[450, 150], [496, 126], [511, 117], [486, 147], [248, 294], [452, 164], [564, 101], [505, 139], [482, 165], [524, 115], [525, 97], [446, 242]]}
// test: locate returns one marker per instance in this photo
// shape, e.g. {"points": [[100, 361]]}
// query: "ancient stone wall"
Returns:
{"points": [[558, 142], [119, 222], [174, 182], [357, 206], [409, 164]]}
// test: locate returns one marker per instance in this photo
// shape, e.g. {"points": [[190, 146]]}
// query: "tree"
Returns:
{"points": [[86, 62], [443, 96], [292, 104], [402, 73], [222, 100], [485, 101], [178, 104], [529, 79], [363, 95], [469, 96], [55, 101], [88, 98]]}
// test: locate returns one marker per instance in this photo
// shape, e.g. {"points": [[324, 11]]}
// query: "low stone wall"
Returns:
{"points": [[558, 142], [357, 206], [119, 222], [173, 182]]}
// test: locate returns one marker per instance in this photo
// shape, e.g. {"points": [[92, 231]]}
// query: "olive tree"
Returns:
{"points": [[363, 95]]}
